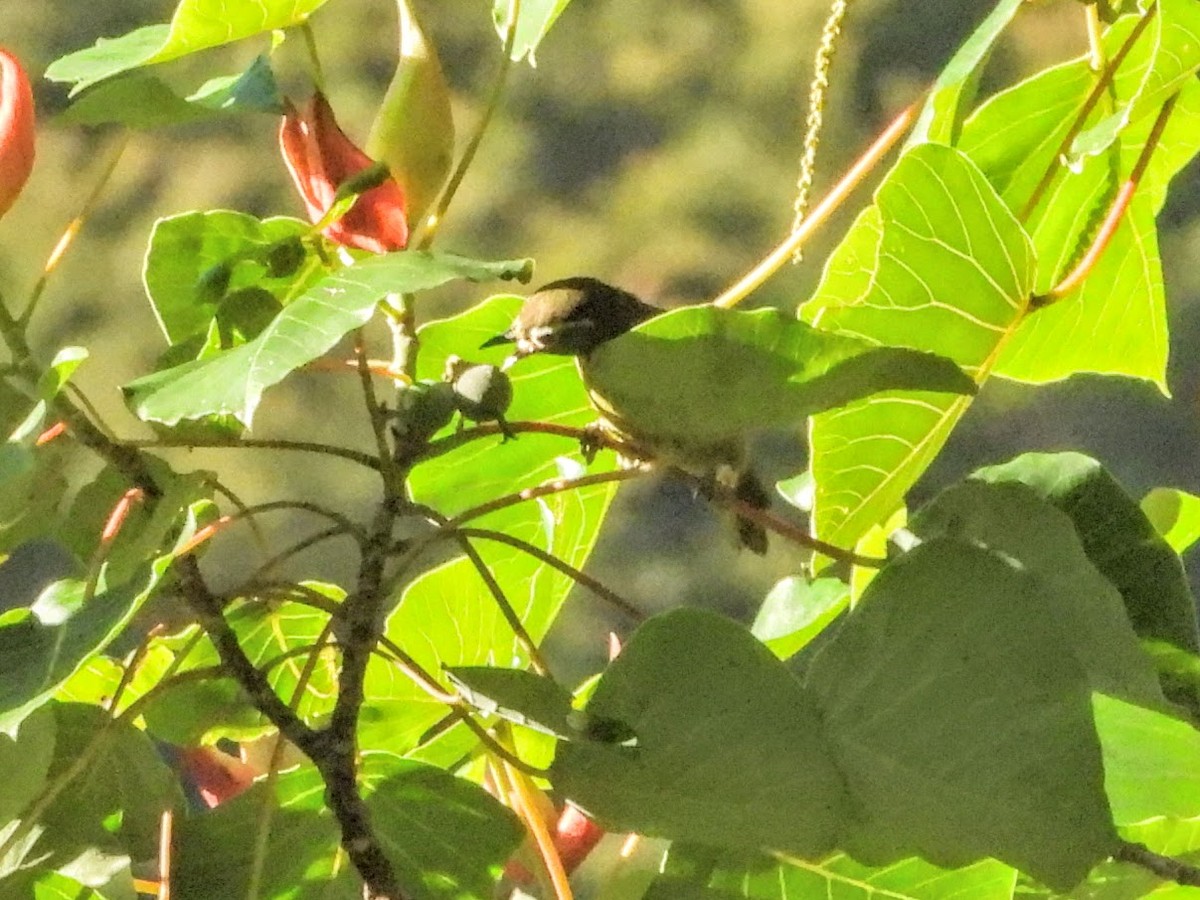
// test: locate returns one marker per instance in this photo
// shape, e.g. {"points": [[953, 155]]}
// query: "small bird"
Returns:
{"points": [[573, 317]]}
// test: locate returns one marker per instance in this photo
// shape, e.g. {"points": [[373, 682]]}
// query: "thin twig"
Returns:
{"points": [[69, 233], [577, 575], [524, 638], [778, 257], [191, 443]]}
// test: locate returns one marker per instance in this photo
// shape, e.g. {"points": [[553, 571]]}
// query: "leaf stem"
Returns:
{"points": [[1098, 91], [1116, 213], [429, 228], [73, 227], [605, 593]]}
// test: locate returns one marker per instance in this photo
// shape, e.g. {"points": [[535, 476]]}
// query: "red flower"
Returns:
{"points": [[320, 157], [16, 129]]}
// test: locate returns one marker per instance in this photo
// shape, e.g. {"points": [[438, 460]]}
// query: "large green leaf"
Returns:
{"points": [[955, 87], [1162, 61], [1117, 537], [1115, 322], [127, 784], [957, 696], [186, 248], [940, 264], [196, 25], [25, 761], [702, 376], [232, 383], [1062, 564], [835, 876], [1151, 763], [729, 747]]}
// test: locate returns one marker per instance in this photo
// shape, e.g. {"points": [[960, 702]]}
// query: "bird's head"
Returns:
{"points": [[573, 317]]}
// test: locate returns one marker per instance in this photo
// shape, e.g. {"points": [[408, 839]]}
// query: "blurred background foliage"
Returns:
{"points": [[654, 145]]}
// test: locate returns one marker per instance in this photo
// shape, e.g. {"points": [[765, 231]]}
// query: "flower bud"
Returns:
{"points": [[413, 131], [320, 158], [16, 129]]}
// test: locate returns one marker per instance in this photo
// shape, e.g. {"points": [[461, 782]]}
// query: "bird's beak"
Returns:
{"points": [[506, 338]]}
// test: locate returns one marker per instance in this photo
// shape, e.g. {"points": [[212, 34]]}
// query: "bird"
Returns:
{"points": [[573, 317]]}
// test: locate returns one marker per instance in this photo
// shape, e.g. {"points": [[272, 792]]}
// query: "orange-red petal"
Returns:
{"points": [[320, 157], [17, 125]]}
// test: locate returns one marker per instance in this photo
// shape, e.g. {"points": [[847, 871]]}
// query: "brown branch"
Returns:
{"points": [[1163, 866]]}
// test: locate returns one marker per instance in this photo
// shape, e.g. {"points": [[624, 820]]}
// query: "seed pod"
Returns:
{"points": [[483, 393], [413, 131]]}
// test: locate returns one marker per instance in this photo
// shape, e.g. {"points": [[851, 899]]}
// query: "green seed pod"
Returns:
{"points": [[423, 409], [413, 131]]}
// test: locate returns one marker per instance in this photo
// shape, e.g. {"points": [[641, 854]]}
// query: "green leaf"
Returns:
{"points": [[141, 100], [1161, 62], [1115, 322], [186, 248], [937, 264], [840, 876], [955, 87], [62, 367], [796, 611], [113, 808], [32, 485], [729, 748], [957, 696], [25, 760], [1151, 768], [534, 22], [517, 695], [1117, 537], [1175, 515], [200, 711], [785, 371], [445, 836], [232, 383], [41, 647], [197, 25], [1043, 541]]}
